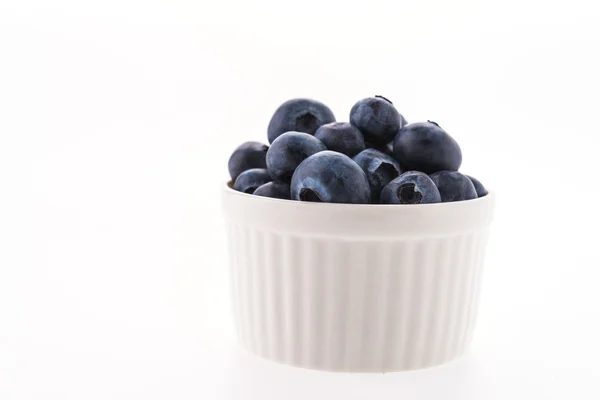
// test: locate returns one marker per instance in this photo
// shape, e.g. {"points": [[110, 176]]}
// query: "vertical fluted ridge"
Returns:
{"points": [[335, 304]]}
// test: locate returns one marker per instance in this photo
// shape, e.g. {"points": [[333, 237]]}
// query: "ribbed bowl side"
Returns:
{"points": [[355, 305]]}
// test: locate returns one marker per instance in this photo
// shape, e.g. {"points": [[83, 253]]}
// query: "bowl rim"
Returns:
{"points": [[357, 221]]}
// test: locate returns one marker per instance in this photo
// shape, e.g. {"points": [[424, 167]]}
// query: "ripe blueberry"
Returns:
{"points": [[249, 180], [412, 187], [248, 155], [384, 148], [330, 177], [277, 190], [453, 186], [341, 137], [424, 146], [377, 119], [379, 168], [288, 151], [479, 188], [300, 115]]}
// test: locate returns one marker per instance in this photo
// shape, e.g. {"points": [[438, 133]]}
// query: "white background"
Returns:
{"points": [[116, 122]]}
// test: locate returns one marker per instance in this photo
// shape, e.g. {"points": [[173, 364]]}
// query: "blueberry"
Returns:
{"points": [[384, 148], [341, 137], [300, 115], [379, 168], [288, 151], [403, 120], [249, 180], [330, 177], [377, 119], [412, 187], [278, 190], [454, 186], [248, 155], [479, 188], [425, 147]]}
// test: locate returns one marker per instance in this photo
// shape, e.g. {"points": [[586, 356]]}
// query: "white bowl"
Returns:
{"points": [[364, 288]]}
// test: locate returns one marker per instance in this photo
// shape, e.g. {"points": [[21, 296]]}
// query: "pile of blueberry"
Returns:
{"points": [[377, 157]]}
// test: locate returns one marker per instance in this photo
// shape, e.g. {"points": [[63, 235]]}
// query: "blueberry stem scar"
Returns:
{"points": [[381, 97], [408, 195], [307, 123], [310, 195], [385, 169]]}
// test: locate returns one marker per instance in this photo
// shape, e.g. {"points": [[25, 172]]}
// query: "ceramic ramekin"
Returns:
{"points": [[363, 288]]}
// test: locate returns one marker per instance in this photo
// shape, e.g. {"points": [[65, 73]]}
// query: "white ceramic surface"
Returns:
{"points": [[363, 288]]}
